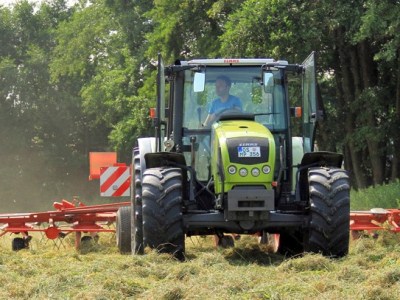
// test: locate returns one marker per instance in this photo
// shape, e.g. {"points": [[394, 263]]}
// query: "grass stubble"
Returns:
{"points": [[247, 271]]}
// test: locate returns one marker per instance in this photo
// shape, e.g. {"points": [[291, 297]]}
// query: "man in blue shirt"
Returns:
{"points": [[224, 102]]}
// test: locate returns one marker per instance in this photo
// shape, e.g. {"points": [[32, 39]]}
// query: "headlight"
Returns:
{"points": [[231, 170], [243, 172], [266, 169], [255, 172]]}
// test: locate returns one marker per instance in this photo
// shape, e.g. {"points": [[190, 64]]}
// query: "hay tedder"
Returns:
{"points": [[85, 221], [373, 221], [69, 217]]}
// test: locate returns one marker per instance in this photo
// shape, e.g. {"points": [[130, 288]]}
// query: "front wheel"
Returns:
{"points": [[162, 211], [329, 228]]}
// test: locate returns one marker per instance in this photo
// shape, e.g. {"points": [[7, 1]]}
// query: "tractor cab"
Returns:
{"points": [[266, 107]]}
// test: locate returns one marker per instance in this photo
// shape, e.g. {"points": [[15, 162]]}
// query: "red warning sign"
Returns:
{"points": [[115, 181]]}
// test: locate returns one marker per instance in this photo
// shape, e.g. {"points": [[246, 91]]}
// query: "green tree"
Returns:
{"points": [[41, 122], [380, 25], [187, 29], [92, 49], [75, 79]]}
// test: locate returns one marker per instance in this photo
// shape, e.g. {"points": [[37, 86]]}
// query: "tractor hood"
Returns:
{"points": [[245, 152]]}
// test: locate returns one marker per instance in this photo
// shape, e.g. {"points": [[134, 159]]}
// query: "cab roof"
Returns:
{"points": [[233, 61]]}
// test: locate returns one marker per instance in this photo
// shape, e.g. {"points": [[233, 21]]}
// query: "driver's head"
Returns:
{"points": [[222, 86]]}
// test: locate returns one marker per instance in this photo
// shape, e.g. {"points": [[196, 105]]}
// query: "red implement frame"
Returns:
{"points": [[374, 220], [77, 218]]}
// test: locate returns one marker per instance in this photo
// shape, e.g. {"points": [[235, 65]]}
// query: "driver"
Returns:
{"points": [[225, 101]]}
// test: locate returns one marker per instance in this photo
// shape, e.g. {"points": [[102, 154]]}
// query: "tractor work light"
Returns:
{"points": [[266, 169], [231, 170], [243, 172], [255, 172]]}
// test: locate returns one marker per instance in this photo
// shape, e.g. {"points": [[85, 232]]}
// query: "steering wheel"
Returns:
{"points": [[228, 110]]}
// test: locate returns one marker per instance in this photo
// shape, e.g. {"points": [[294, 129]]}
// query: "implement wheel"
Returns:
{"points": [[224, 241], [124, 229], [18, 243], [162, 211], [329, 228], [86, 240]]}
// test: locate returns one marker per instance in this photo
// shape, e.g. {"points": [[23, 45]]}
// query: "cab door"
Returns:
{"points": [[311, 113], [160, 122]]}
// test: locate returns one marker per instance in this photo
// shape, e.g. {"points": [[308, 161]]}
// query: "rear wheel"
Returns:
{"points": [[162, 211], [136, 204], [329, 230], [124, 229]]}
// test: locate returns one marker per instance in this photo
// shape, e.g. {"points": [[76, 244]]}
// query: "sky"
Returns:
{"points": [[10, 2], [6, 2]]}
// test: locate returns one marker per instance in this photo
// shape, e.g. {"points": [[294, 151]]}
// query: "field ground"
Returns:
{"points": [[248, 271], [98, 271]]}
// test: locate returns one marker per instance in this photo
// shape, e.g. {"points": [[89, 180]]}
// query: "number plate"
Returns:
{"points": [[249, 152]]}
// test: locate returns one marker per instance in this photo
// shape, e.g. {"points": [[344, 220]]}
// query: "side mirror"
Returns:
{"points": [[268, 81], [199, 82]]}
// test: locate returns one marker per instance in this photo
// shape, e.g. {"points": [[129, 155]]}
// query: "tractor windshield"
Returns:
{"points": [[245, 86]]}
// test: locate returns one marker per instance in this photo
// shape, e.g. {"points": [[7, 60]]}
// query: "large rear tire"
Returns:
{"points": [[329, 229], [136, 204], [162, 211], [124, 229]]}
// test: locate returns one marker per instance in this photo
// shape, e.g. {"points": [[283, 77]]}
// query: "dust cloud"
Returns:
{"points": [[31, 183]]}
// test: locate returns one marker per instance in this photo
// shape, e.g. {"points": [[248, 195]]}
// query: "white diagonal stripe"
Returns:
{"points": [[116, 184]]}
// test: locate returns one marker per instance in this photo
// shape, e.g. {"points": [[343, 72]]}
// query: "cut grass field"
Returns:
{"points": [[98, 271], [247, 271]]}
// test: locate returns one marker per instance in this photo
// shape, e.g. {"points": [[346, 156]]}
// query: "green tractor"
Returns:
{"points": [[238, 168]]}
